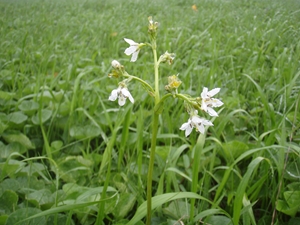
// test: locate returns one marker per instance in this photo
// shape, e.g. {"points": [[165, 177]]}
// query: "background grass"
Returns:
{"points": [[61, 138]]}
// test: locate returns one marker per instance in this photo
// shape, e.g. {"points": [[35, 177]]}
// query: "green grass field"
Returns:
{"points": [[70, 156]]}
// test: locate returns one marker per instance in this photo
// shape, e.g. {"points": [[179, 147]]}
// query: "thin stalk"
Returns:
{"points": [[151, 165], [154, 136], [110, 145], [139, 80], [156, 75], [196, 163]]}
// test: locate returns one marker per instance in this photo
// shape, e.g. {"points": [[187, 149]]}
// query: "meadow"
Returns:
{"points": [[70, 156]]}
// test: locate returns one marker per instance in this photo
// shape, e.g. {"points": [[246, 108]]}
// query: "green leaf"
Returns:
{"points": [[58, 219], [7, 150], [3, 127], [218, 220], [295, 186], [209, 212], [160, 200], [83, 132], [9, 168], [17, 136], [6, 95], [43, 197], [45, 96], [75, 168], [177, 209], [24, 213], [125, 205], [292, 170], [163, 151], [283, 207], [28, 184], [241, 190], [234, 148], [17, 118], [9, 184], [3, 219], [45, 115], [79, 193], [62, 208], [294, 221], [33, 169], [8, 201], [29, 107], [292, 198], [56, 145]]}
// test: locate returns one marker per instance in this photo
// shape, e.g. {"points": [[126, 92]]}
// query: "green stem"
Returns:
{"points": [[196, 163], [139, 80], [101, 208], [156, 75], [191, 101], [154, 136], [151, 165]]}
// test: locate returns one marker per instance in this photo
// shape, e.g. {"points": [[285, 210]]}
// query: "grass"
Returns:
{"points": [[70, 156]]}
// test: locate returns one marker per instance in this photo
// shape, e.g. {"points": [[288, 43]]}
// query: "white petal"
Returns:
{"points": [[115, 64], [200, 128], [131, 98], [187, 127], [204, 93], [188, 130], [114, 94], [184, 126], [207, 123], [131, 42], [134, 56], [213, 92], [195, 112], [122, 100], [211, 112], [130, 50], [204, 106], [196, 119], [127, 94], [216, 102]]}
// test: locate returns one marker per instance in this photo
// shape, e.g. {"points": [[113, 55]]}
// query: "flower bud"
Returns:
{"points": [[167, 57], [115, 64], [152, 28], [173, 83]]}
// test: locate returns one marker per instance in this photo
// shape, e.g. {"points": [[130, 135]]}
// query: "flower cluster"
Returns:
{"points": [[207, 105], [205, 102]]}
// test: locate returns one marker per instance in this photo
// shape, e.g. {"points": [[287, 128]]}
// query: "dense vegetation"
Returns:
{"points": [[62, 142]]}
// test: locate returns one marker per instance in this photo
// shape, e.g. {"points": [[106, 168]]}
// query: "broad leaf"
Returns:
{"points": [[17, 136], [83, 132], [40, 119], [17, 118], [24, 213], [8, 201], [29, 107]]}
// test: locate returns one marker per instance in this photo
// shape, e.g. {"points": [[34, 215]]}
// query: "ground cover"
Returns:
{"points": [[62, 141]]}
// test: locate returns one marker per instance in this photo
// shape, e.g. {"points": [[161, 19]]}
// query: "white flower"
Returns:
{"points": [[195, 122], [133, 49], [122, 94], [115, 64], [208, 102]]}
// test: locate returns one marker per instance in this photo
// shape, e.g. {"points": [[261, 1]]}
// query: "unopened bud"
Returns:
{"points": [[167, 57], [115, 64], [173, 83], [152, 28]]}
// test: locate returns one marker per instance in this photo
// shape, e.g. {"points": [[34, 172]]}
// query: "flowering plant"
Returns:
{"points": [[205, 102]]}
